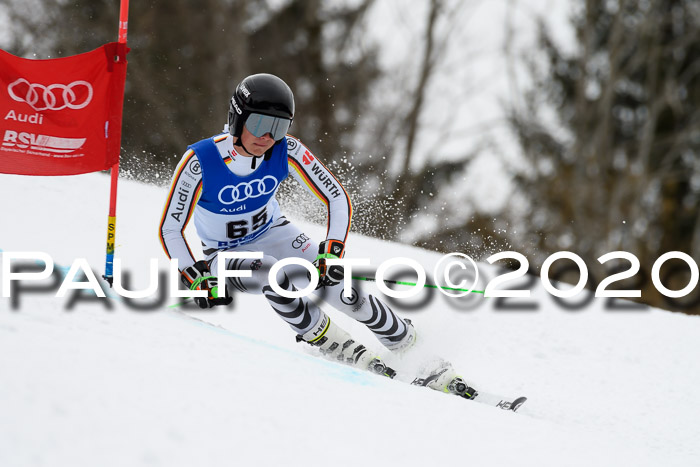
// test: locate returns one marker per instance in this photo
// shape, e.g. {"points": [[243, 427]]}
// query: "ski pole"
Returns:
{"points": [[386, 281]]}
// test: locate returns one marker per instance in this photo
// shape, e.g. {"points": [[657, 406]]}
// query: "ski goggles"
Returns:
{"points": [[259, 125]]}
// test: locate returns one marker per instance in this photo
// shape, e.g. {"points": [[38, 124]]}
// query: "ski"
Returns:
{"points": [[441, 377], [499, 401], [444, 379], [459, 388]]}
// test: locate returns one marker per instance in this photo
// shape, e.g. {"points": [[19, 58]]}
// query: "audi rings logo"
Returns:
{"points": [[254, 189], [75, 95], [299, 241]]}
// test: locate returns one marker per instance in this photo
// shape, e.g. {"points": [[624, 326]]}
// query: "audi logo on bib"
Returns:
{"points": [[231, 194], [75, 95]]}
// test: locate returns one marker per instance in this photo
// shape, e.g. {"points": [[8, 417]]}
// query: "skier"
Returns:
{"points": [[229, 183]]}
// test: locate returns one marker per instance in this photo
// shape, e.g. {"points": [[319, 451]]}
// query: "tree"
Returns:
{"points": [[185, 61], [408, 193], [617, 170], [187, 56]]}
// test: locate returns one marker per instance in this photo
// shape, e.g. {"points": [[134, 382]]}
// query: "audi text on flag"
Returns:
{"points": [[61, 116]]}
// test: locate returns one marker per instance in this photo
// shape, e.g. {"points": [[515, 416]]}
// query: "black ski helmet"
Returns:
{"points": [[261, 93]]}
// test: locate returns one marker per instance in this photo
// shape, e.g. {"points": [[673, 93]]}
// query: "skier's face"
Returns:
{"points": [[257, 146]]}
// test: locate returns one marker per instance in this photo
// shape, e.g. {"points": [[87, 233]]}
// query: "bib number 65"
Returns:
{"points": [[239, 229]]}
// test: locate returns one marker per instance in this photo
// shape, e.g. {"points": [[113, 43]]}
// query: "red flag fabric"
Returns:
{"points": [[62, 116]]}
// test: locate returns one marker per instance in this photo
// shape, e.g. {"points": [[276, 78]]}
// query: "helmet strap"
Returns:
{"points": [[254, 160], [240, 143]]}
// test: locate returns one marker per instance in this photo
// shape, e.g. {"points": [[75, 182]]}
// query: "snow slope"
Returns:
{"points": [[92, 386]]}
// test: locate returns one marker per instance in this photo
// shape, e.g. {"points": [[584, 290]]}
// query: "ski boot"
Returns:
{"points": [[377, 366], [460, 388], [443, 378], [336, 344]]}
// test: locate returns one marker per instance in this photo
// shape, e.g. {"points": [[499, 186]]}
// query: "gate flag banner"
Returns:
{"points": [[62, 116]]}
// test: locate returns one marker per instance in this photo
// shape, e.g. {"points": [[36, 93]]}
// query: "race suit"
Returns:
{"points": [[234, 206]]}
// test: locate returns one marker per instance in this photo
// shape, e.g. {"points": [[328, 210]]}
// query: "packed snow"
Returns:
{"points": [[96, 382]]}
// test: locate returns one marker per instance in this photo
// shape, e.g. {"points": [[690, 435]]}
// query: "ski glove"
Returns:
{"points": [[198, 277], [329, 275]]}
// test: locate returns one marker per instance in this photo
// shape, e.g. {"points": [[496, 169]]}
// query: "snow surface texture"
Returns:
{"points": [[91, 387]]}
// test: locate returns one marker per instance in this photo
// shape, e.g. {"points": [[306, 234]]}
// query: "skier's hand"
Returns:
{"points": [[198, 277], [329, 275]]}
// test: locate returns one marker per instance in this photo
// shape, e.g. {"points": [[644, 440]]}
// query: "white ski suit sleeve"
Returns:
{"points": [[179, 207], [319, 181]]}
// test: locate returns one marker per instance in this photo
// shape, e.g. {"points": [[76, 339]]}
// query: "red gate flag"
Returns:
{"points": [[62, 116]]}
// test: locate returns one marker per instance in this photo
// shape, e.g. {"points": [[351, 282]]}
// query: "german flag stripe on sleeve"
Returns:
{"points": [[349, 204], [310, 184], [321, 194], [171, 195]]}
